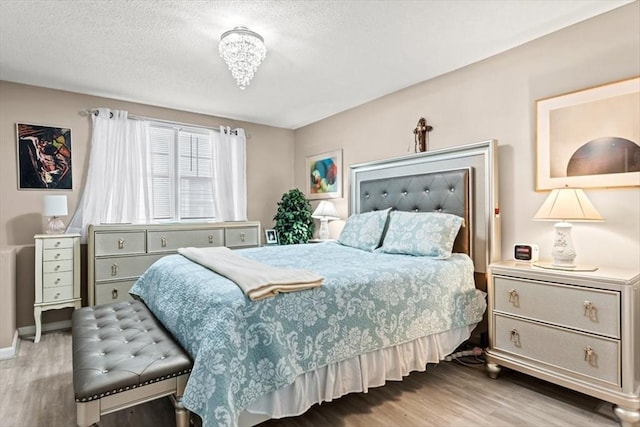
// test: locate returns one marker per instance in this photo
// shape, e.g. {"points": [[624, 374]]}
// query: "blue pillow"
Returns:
{"points": [[421, 233], [364, 231]]}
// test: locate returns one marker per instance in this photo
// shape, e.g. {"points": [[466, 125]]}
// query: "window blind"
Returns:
{"points": [[181, 173]]}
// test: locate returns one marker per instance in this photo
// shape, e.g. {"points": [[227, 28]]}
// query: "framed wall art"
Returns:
{"points": [[324, 175], [589, 138], [44, 157]]}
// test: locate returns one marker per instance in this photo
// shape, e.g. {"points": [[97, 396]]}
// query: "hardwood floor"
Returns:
{"points": [[36, 390]]}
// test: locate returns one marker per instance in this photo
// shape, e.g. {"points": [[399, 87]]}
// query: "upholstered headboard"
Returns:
{"points": [[446, 191], [461, 180]]}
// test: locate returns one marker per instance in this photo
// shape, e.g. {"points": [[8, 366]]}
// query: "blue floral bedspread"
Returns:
{"points": [[244, 349]]}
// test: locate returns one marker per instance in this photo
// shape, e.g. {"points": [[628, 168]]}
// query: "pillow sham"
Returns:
{"points": [[364, 231], [421, 233]]}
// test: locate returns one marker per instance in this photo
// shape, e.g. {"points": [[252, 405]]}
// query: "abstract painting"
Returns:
{"points": [[44, 157], [324, 175]]}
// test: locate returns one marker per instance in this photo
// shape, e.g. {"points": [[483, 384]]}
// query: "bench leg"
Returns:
{"points": [[87, 413], [182, 413]]}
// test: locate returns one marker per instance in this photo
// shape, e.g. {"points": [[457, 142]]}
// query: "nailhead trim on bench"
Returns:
{"points": [[90, 398]]}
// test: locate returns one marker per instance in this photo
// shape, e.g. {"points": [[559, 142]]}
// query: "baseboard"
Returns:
{"points": [[11, 352], [26, 331]]}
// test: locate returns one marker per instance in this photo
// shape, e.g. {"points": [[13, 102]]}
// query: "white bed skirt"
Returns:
{"points": [[357, 374]]}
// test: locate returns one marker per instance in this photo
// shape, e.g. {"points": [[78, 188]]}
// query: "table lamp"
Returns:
{"points": [[55, 207], [563, 205], [325, 212]]}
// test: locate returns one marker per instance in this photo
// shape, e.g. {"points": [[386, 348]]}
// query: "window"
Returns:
{"points": [[181, 173]]}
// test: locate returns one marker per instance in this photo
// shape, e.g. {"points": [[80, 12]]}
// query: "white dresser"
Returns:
{"points": [[118, 254], [580, 330], [57, 277]]}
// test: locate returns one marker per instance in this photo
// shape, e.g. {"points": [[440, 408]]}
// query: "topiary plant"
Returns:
{"points": [[293, 218]]}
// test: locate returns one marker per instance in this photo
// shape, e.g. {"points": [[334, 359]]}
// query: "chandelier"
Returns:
{"points": [[243, 50]]}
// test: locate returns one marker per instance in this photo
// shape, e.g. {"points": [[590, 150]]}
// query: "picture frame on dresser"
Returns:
{"points": [[271, 236]]}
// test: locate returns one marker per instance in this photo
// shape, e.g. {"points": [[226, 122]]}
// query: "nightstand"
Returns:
{"points": [[57, 283], [580, 330]]}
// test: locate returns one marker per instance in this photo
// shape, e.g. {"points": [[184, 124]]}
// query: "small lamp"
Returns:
{"points": [[55, 207], [325, 212], [566, 204]]}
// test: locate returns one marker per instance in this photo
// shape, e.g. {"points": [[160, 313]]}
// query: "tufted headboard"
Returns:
{"points": [[446, 191], [460, 180]]}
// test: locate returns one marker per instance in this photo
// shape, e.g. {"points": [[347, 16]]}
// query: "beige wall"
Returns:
{"points": [[491, 99], [495, 99], [20, 216]]}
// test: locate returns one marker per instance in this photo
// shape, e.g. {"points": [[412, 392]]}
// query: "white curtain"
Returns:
{"points": [[229, 169], [116, 189]]}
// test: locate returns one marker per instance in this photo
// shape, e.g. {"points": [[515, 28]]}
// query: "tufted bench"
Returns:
{"points": [[123, 356]]}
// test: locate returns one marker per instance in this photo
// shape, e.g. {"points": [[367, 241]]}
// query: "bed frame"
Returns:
{"points": [[459, 180]]}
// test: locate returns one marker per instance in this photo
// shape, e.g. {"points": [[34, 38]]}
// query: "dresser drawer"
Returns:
{"points": [[241, 236], [56, 254], [61, 278], [108, 292], [57, 266], [123, 267], [590, 310], [119, 243], [560, 348], [58, 243], [57, 293], [171, 240]]}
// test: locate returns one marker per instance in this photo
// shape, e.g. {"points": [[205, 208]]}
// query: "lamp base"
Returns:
{"points": [[324, 229], [55, 226], [563, 252]]}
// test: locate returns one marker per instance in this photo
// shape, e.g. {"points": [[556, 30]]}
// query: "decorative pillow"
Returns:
{"points": [[364, 231], [421, 233]]}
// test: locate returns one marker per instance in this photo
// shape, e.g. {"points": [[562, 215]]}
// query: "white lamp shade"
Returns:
{"points": [[55, 205], [568, 204], [325, 210]]}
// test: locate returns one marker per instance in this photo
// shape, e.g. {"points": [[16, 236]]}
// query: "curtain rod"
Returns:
{"points": [[88, 111]]}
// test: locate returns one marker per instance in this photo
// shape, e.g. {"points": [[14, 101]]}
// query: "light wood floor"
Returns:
{"points": [[36, 390]]}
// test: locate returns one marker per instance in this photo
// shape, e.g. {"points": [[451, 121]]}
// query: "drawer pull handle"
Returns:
{"points": [[210, 238], [514, 298], [58, 243], [242, 236], [515, 337], [163, 241], [56, 295], [56, 268], [121, 244], [57, 280], [589, 355], [114, 294], [57, 256], [590, 310], [114, 269]]}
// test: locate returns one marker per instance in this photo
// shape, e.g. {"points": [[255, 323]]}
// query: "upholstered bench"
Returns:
{"points": [[123, 356]]}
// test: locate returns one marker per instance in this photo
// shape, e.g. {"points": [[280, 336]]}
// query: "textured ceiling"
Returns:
{"points": [[323, 57]]}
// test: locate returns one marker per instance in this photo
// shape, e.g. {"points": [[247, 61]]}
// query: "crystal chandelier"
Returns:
{"points": [[243, 50]]}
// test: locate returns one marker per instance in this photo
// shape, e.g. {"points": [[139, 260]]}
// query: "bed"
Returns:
{"points": [[377, 316]]}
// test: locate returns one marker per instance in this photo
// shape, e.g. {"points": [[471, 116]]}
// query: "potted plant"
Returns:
{"points": [[293, 218]]}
